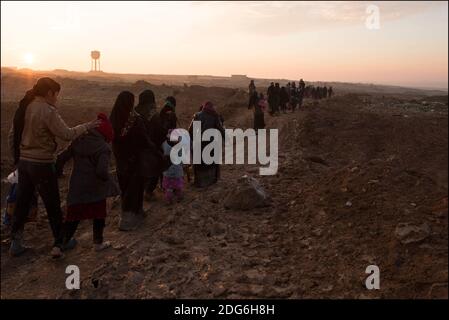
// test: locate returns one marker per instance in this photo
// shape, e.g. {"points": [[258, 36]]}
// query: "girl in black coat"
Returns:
{"points": [[90, 182]]}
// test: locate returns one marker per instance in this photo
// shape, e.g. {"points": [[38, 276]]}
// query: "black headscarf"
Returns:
{"points": [[171, 100], [120, 112], [168, 114], [147, 104]]}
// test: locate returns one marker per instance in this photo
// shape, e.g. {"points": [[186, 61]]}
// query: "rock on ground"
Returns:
{"points": [[248, 194]]}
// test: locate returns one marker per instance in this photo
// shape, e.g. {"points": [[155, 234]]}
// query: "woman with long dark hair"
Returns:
{"points": [[32, 136], [137, 155], [121, 111], [124, 151]]}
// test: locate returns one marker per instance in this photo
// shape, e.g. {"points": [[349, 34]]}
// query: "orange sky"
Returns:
{"points": [[326, 41]]}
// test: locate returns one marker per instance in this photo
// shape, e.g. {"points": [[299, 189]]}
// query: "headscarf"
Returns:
{"points": [[170, 101], [147, 104], [121, 111], [105, 127], [209, 107], [168, 107]]}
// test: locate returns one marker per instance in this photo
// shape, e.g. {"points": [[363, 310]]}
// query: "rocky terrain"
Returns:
{"points": [[363, 179]]}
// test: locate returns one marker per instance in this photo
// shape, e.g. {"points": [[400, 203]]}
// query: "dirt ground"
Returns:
{"points": [[351, 171]]}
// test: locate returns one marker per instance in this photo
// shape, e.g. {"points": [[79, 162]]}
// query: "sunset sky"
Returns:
{"points": [[326, 41]]}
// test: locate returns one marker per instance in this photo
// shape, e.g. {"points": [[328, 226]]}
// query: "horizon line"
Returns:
{"points": [[410, 86]]}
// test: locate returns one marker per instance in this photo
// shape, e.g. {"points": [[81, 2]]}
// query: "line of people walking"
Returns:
{"points": [[318, 93], [139, 139], [282, 99], [279, 98]]}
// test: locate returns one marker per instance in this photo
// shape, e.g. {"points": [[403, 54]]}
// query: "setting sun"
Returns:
{"points": [[28, 58]]}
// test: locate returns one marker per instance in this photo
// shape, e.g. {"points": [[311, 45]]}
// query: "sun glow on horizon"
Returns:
{"points": [[28, 58], [322, 41]]}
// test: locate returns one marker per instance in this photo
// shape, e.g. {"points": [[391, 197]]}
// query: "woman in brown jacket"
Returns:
{"points": [[35, 126]]}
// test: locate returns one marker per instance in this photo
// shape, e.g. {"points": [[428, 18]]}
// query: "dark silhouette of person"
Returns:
{"points": [[167, 114], [277, 98], [206, 174], [302, 84], [157, 134], [301, 92], [293, 96], [271, 98], [259, 119], [283, 99], [252, 97]]}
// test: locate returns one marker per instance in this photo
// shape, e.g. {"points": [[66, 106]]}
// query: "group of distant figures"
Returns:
{"points": [[281, 99]]}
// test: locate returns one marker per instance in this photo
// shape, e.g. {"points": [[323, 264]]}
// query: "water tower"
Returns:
{"points": [[95, 55]]}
